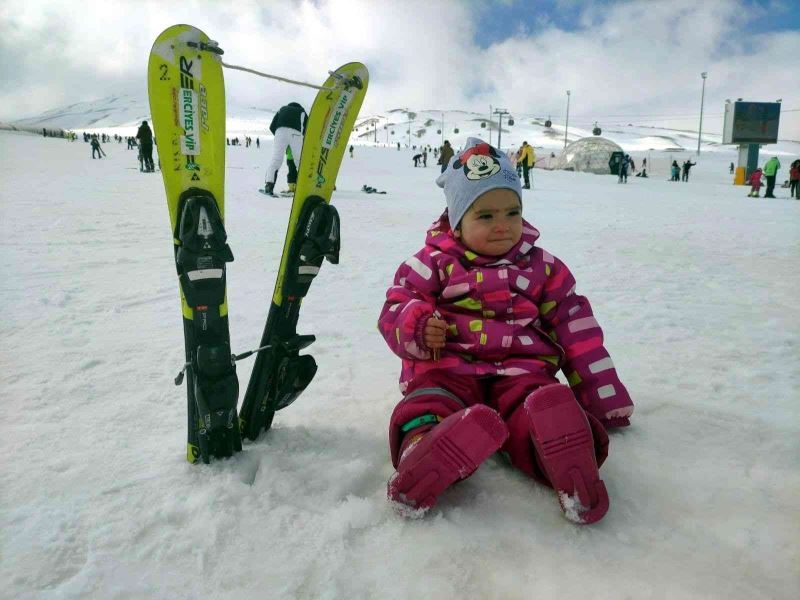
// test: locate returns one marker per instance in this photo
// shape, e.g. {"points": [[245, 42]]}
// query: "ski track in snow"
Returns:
{"points": [[694, 284]]}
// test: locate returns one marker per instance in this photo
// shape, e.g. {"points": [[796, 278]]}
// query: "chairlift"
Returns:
{"points": [[548, 123], [596, 130], [438, 132], [483, 124], [511, 121], [455, 130]]}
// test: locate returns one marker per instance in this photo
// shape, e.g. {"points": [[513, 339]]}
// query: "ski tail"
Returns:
{"points": [[281, 373], [213, 386]]}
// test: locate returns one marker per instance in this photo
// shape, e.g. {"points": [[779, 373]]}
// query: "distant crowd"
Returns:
{"points": [[523, 159], [770, 172]]}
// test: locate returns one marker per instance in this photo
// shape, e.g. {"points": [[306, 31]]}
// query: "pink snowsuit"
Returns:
{"points": [[755, 180], [513, 322]]}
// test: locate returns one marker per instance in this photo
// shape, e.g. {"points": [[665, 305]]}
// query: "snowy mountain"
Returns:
{"points": [[124, 113], [429, 127]]}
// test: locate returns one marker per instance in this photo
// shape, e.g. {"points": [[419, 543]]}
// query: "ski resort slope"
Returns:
{"points": [[123, 114], [694, 284]]}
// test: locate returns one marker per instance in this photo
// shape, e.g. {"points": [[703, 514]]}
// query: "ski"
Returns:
{"points": [[187, 104], [280, 372]]}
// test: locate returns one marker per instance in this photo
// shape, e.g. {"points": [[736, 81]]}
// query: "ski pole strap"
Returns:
{"points": [[268, 76], [422, 420]]}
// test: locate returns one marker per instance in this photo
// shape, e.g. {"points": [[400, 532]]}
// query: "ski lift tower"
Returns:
{"points": [[750, 125], [500, 112]]}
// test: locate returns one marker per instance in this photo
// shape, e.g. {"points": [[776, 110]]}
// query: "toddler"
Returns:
{"points": [[483, 319], [755, 183]]}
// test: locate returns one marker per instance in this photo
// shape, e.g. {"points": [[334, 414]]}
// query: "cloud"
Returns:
{"points": [[637, 58]]}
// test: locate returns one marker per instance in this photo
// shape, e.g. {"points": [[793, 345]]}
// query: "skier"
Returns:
{"points": [[95, 143], [351, 150], [416, 158], [675, 171], [288, 126], [794, 180], [478, 382], [771, 172], [731, 168], [526, 158], [445, 154], [755, 183], [145, 137], [623, 169], [686, 167], [291, 176], [425, 157], [258, 143]]}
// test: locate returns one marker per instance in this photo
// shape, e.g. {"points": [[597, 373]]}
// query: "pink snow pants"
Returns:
{"points": [[441, 394]]}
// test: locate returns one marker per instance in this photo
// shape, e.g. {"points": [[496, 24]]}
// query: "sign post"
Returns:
{"points": [[749, 125]]}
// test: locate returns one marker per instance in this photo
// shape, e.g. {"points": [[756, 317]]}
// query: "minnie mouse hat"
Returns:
{"points": [[477, 170]]}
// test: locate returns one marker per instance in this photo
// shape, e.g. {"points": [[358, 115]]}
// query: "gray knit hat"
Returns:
{"points": [[478, 169]]}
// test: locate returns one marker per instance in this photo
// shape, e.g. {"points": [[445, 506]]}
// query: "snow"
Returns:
{"points": [[695, 285], [572, 507]]}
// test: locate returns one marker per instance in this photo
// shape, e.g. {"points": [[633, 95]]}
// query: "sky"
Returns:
{"points": [[625, 61]]}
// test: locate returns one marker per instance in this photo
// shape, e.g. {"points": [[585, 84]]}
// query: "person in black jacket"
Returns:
{"points": [[145, 137], [624, 164], [288, 126], [685, 170]]}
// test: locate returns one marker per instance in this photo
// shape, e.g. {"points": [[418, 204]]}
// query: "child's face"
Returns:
{"points": [[493, 224]]}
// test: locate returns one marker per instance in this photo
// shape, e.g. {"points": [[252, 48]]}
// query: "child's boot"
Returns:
{"points": [[565, 450], [450, 451]]}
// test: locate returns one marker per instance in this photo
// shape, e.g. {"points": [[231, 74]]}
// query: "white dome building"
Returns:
{"points": [[589, 155]]}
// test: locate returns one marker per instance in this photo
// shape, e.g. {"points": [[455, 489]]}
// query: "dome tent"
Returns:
{"points": [[589, 155]]}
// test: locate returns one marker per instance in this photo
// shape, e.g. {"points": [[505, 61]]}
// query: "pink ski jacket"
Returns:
{"points": [[506, 316]]}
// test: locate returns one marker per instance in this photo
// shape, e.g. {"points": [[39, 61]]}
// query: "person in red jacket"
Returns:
{"points": [[755, 183], [794, 180]]}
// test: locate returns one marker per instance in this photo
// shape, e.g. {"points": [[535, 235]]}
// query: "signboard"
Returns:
{"points": [[751, 122]]}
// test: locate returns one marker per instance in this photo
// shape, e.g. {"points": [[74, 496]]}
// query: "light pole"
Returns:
{"points": [[500, 112], [566, 127], [490, 124], [702, 99]]}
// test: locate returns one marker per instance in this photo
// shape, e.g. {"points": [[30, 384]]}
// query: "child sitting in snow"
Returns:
{"points": [[483, 320], [755, 183]]}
